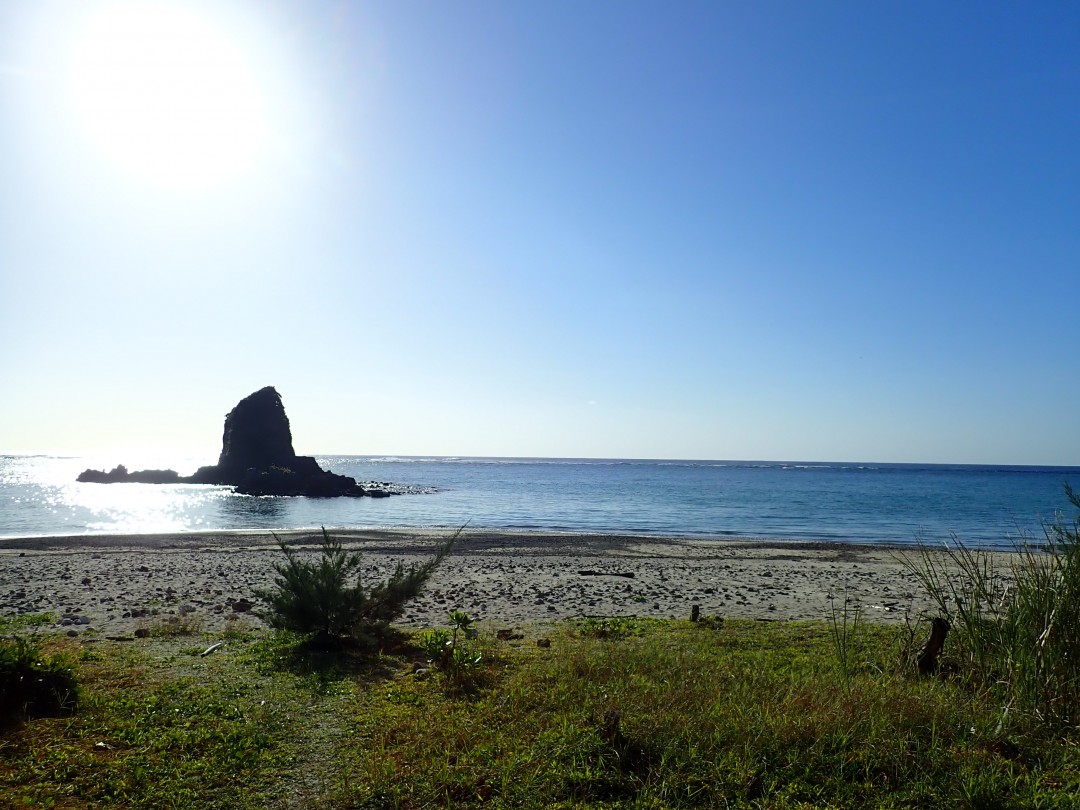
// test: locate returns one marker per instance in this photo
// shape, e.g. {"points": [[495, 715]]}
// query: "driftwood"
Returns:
{"points": [[928, 661], [627, 574]]}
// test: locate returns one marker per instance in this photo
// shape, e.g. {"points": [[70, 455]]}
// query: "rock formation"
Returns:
{"points": [[257, 435], [257, 458], [257, 455], [120, 474]]}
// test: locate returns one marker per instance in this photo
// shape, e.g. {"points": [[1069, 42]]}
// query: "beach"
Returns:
{"points": [[117, 584]]}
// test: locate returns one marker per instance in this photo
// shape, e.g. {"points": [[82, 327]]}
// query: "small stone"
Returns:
{"points": [[142, 632], [543, 643]]}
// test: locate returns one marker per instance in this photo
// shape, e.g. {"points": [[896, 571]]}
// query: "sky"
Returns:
{"points": [[834, 231]]}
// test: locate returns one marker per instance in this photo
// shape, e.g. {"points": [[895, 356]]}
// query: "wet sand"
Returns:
{"points": [[119, 583]]}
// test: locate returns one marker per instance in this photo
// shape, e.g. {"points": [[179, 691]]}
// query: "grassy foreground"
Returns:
{"points": [[629, 713]]}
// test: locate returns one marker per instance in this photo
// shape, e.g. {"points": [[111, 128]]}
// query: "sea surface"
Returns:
{"points": [[984, 506]]}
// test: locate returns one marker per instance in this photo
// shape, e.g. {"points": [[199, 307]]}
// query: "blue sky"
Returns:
{"points": [[823, 231]]}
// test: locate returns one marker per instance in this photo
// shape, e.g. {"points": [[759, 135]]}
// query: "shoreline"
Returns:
{"points": [[477, 538], [117, 584]]}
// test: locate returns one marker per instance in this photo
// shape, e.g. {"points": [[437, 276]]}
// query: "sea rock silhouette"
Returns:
{"points": [[257, 458], [257, 455], [120, 474], [257, 436]]}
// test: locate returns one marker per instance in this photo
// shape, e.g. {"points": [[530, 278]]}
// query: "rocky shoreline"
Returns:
{"points": [[117, 585]]}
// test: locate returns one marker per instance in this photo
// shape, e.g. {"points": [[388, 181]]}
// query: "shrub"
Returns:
{"points": [[33, 683], [316, 598], [1018, 634], [435, 644]]}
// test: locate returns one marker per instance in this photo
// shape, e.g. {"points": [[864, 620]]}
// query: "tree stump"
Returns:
{"points": [[928, 661]]}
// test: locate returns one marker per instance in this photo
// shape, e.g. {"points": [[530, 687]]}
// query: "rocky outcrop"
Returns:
{"points": [[257, 455], [120, 475], [257, 436], [257, 458]]}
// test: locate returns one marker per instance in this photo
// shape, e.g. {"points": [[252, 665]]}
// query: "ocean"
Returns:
{"points": [[985, 506]]}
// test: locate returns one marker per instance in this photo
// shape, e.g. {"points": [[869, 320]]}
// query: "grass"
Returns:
{"points": [[20, 622], [647, 714], [1016, 630]]}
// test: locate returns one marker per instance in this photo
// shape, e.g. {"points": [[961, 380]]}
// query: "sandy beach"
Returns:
{"points": [[117, 584]]}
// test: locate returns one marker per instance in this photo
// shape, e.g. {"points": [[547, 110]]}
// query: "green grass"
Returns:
{"points": [[652, 715], [20, 622]]}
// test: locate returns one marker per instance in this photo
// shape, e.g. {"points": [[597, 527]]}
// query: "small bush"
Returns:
{"points": [[317, 599], [451, 652], [33, 683], [435, 643]]}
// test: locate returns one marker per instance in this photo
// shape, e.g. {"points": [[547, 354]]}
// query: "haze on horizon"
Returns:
{"points": [[778, 230]]}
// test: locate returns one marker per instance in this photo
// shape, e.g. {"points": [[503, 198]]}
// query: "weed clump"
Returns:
{"points": [[452, 653], [327, 601], [612, 627], [33, 683]]}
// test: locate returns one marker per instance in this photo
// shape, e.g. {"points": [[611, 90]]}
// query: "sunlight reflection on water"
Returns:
{"points": [[144, 507]]}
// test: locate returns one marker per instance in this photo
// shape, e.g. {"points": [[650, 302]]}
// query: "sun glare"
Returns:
{"points": [[167, 97]]}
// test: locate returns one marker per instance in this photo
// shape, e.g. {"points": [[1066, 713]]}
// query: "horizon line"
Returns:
{"points": [[582, 459]]}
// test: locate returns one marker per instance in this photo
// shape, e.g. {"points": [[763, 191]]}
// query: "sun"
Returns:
{"points": [[166, 96]]}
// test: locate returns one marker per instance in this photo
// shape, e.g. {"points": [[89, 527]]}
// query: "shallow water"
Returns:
{"points": [[894, 503]]}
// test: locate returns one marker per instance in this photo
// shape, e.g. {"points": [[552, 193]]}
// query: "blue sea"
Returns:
{"points": [[988, 506]]}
